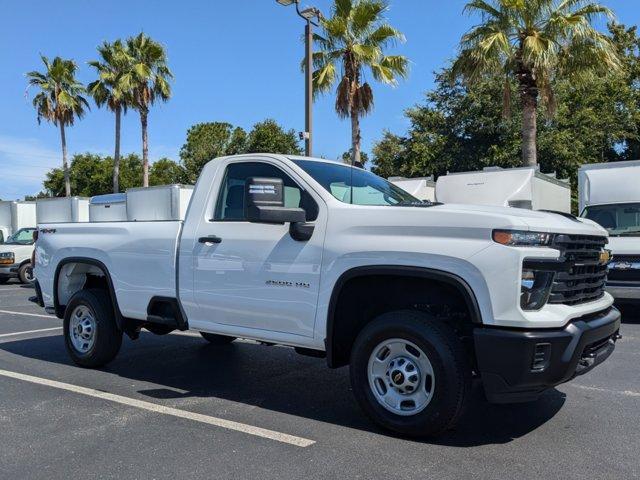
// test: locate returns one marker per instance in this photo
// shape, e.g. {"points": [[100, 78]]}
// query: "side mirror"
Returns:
{"points": [[264, 202]]}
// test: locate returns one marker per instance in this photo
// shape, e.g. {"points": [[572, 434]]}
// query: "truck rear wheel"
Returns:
{"points": [[214, 339], [25, 274], [91, 335], [410, 374]]}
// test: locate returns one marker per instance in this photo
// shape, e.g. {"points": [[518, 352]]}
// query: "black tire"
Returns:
{"points": [[23, 274], [214, 339], [108, 338], [446, 354]]}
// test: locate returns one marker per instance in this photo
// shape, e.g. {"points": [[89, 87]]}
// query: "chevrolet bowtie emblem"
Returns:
{"points": [[605, 257]]}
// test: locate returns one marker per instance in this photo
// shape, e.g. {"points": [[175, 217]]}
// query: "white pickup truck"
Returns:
{"points": [[418, 298]]}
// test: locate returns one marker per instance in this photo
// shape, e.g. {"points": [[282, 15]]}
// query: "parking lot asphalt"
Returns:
{"points": [[176, 407]]}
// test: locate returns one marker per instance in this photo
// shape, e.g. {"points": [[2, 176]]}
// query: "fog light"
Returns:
{"points": [[535, 287]]}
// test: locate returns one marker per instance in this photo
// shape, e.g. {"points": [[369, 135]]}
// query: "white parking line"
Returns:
{"points": [[626, 393], [9, 312], [153, 407], [30, 331]]}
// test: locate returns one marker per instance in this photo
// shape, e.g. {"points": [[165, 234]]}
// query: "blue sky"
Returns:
{"points": [[234, 61]]}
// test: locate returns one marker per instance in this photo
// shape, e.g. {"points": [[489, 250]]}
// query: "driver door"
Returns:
{"points": [[256, 277]]}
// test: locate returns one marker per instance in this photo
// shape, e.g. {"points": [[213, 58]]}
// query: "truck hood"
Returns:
{"points": [[528, 219], [624, 245]]}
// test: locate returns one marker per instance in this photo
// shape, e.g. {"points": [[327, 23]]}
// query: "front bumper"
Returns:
{"points": [[9, 271], [518, 365]]}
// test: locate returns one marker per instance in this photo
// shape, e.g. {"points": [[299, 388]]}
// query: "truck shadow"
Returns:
{"points": [[274, 379]]}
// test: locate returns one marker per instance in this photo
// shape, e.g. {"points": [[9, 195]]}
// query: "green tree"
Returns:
{"points": [[461, 126], [151, 83], [535, 43], [92, 174], [113, 89], [206, 141], [269, 137], [355, 39], [60, 101], [166, 172]]}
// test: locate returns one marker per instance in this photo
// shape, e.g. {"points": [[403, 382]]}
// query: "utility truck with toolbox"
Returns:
{"points": [[418, 298]]}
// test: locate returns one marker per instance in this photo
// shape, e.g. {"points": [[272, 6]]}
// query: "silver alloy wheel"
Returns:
{"points": [[82, 328], [401, 377]]}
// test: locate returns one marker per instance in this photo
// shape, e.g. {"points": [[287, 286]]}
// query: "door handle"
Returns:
{"points": [[210, 239]]}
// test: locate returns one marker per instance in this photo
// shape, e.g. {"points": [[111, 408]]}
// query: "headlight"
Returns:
{"points": [[518, 238], [535, 287], [7, 258]]}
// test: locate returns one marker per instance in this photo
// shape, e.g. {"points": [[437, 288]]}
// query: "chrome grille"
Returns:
{"points": [[586, 277]]}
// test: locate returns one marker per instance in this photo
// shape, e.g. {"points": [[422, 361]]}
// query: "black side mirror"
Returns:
{"points": [[264, 202]]}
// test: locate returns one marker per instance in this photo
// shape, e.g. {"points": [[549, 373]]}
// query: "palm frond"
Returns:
{"points": [[365, 14], [363, 100], [342, 8], [383, 35], [344, 97], [324, 78]]}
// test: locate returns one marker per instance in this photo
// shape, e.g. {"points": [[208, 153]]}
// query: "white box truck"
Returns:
{"points": [[423, 188], [609, 193], [524, 187], [14, 216], [111, 207], [62, 210], [164, 202]]}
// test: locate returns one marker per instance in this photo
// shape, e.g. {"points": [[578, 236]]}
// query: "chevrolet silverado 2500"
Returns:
{"points": [[417, 298]]}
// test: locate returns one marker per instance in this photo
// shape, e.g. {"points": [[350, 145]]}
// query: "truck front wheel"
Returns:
{"points": [[410, 374], [91, 335]]}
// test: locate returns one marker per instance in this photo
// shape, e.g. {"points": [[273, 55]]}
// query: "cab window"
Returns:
{"points": [[230, 203]]}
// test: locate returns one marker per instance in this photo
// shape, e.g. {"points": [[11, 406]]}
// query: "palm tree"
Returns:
{"points": [[113, 89], [151, 77], [535, 42], [59, 101], [354, 40]]}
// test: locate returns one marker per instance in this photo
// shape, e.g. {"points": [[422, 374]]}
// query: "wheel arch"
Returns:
{"points": [[335, 355], [94, 266]]}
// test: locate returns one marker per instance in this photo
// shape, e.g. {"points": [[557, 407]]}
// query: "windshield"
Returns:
{"points": [[24, 236], [355, 186], [621, 219]]}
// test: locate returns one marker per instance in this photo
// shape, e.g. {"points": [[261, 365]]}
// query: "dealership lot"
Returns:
{"points": [[177, 407]]}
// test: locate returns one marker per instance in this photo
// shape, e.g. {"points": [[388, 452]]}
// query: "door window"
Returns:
{"points": [[230, 204]]}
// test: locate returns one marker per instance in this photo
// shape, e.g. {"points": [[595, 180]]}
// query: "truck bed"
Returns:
{"points": [[139, 256]]}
